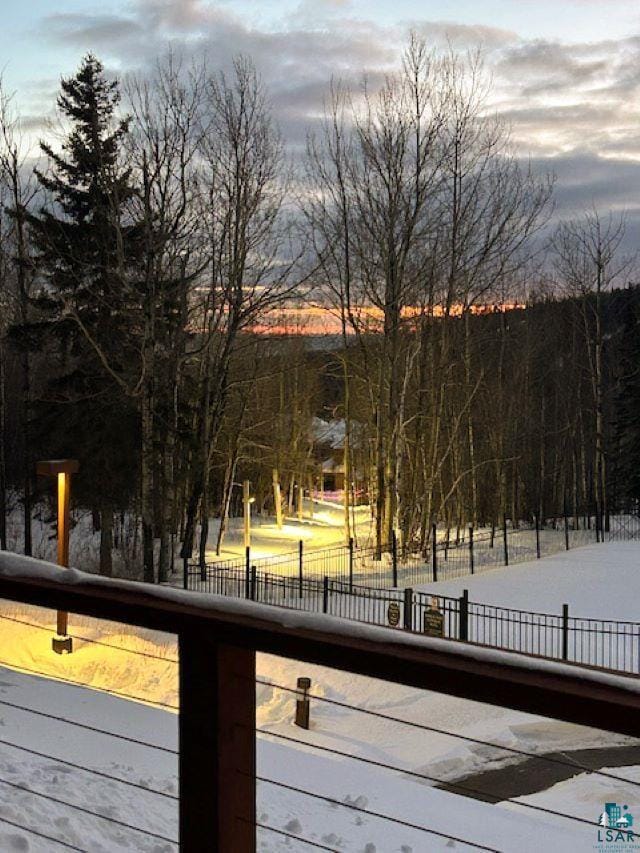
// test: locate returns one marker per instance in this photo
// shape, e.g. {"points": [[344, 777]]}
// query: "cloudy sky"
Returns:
{"points": [[566, 72]]}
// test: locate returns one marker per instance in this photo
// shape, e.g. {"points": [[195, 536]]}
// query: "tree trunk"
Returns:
{"points": [[106, 542], [147, 488], [3, 466]]}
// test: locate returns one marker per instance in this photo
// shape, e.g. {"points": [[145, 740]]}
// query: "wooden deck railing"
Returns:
{"points": [[218, 639]]}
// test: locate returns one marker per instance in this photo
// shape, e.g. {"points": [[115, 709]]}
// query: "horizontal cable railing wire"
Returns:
{"points": [[291, 836], [382, 596], [332, 801], [19, 667], [42, 835], [449, 785], [414, 724], [120, 823], [52, 765], [453, 786]]}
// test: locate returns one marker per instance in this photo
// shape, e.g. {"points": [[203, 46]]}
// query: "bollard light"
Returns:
{"points": [[62, 469], [302, 703]]}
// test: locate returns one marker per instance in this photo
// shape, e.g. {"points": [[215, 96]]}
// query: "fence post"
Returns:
{"points": [[185, 572], [254, 583], [471, 566], [493, 534], [566, 529], [394, 556], [505, 540], [463, 616], [565, 632], [408, 609], [434, 555], [351, 564], [217, 753], [247, 572], [597, 520], [300, 565], [325, 595], [537, 536]]}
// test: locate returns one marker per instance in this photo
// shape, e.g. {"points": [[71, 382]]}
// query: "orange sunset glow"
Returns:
{"points": [[318, 320]]}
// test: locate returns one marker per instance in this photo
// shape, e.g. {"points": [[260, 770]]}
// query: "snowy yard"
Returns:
{"points": [[598, 580], [390, 792]]}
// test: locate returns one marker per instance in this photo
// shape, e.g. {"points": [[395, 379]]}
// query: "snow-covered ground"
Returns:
{"points": [[148, 802], [600, 580], [322, 526], [585, 795], [320, 529]]}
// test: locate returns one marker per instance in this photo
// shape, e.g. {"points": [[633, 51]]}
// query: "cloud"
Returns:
{"points": [[543, 66], [587, 181], [572, 107], [80, 29], [576, 99], [461, 36]]}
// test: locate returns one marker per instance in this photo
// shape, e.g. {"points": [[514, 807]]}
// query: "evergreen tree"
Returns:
{"points": [[86, 251]]}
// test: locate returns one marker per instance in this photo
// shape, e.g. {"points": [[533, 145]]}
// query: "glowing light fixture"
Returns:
{"points": [[62, 469]]}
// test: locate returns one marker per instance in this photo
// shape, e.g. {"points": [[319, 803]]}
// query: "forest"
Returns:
{"points": [[484, 359]]}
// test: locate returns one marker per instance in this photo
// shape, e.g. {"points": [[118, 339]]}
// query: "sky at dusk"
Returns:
{"points": [[566, 73]]}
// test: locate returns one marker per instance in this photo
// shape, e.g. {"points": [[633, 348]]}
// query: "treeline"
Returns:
{"points": [[168, 222], [503, 410]]}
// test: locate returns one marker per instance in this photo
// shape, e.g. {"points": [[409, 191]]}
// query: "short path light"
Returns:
{"points": [[62, 469], [302, 703]]}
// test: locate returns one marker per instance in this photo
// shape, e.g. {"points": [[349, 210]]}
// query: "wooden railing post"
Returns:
{"points": [[217, 762]]}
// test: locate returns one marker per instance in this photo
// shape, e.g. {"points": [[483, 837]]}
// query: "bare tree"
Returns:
{"points": [[243, 184], [163, 152], [588, 262], [18, 192]]}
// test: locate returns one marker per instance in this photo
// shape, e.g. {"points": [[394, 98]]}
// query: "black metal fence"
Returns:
{"points": [[455, 555], [608, 644]]}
